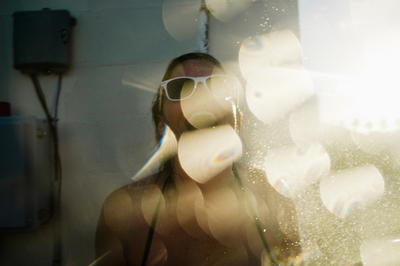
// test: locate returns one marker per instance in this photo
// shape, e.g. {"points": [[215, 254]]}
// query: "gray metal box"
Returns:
{"points": [[42, 40]]}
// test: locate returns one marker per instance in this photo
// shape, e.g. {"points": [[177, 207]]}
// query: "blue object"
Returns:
{"points": [[25, 173]]}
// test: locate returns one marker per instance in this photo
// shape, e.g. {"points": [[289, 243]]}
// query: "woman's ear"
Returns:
{"points": [[160, 125]]}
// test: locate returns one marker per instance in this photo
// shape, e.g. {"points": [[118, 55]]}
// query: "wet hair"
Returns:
{"points": [[155, 109]]}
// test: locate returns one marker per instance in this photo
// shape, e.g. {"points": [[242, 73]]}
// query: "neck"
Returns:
{"points": [[221, 179]]}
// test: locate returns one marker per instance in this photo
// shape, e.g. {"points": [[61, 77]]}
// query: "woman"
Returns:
{"points": [[230, 217]]}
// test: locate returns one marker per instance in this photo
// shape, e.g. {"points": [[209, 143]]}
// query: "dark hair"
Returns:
{"points": [[155, 109], [167, 167]]}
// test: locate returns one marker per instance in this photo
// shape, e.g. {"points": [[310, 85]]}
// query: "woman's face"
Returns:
{"points": [[202, 104]]}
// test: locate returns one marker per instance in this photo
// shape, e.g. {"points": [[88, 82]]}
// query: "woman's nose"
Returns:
{"points": [[203, 109], [201, 88]]}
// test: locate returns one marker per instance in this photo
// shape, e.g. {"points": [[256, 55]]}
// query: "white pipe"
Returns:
{"points": [[202, 34]]}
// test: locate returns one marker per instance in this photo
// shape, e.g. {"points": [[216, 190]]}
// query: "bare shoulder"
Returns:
{"points": [[121, 223], [125, 192], [123, 208]]}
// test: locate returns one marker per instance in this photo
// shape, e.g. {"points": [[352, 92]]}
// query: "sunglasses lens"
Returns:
{"points": [[221, 86], [180, 88]]}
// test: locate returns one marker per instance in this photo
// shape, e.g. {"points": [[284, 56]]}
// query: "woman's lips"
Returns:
{"points": [[203, 119]]}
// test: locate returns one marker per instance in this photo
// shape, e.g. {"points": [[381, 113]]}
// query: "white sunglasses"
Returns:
{"points": [[181, 88]]}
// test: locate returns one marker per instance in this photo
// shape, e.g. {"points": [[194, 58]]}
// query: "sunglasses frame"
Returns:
{"points": [[236, 110], [196, 82]]}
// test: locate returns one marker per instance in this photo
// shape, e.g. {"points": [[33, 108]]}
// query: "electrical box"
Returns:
{"points": [[26, 173], [42, 40]]}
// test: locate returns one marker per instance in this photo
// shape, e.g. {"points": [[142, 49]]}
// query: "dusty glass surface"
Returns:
{"points": [[321, 118], [320, 126]]}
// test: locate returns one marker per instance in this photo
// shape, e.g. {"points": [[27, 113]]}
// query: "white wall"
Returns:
{"points": [[105, 127]]}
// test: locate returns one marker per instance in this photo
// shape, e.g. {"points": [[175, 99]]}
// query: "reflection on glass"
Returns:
{"points": [[276, 81], [166, 150], [180, 18], [215, 148], [351, 190], [381, 251], [224, 10], [290, 169]]}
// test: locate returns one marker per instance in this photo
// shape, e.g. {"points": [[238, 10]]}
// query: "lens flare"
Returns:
{"points": [[290, 168], [202, 218], [205, 153], [304, 124], [150, 202], [180, 18], [167, 149], [225, 10], [371, 96], [142, 86], [289, 257], [375, 142], [256, 207], [113, 216], [369, 14], [276, 81], [274, 92], [351, 190], [367, 100], [190, 198], [288, 224], [275, 49], [158, 254], [381, 251], [255, 49], [221, 206], [100, 258], [254, 240], [203, 109], [154, 206], [234, 256]]}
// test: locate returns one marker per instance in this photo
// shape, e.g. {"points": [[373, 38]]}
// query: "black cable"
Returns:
{"points": [[153, 225], [255, 218], [56, 101], [56, 187], [151, 233]]}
